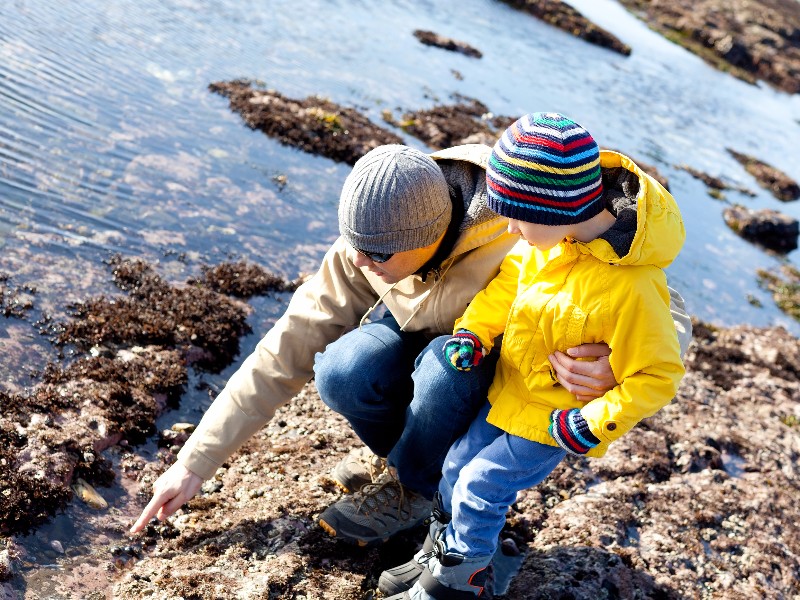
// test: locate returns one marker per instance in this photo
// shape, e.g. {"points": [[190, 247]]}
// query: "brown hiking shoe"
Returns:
{"points": [[376, 512], [357, 469]]}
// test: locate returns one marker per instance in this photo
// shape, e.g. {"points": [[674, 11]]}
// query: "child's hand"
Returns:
{"points": [[571, 431], [464, 350]]}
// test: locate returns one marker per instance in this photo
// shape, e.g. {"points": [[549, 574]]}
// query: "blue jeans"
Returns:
{"points": [[401, 397], [481, 476]]}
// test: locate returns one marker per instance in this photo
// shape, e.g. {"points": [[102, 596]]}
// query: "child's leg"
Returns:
{"points": [[479, 435], [487, 486]]}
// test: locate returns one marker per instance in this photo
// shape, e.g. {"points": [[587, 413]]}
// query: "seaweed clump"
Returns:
{"points": [[130, 361], [244, 280], [315, 125], [157, 313], [14, 302], [469, 121]]}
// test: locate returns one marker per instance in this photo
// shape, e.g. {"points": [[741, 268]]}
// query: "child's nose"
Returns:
{"points": [[513, 227]]}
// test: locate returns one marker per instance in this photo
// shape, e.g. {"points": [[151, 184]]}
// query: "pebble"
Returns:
{"points": [[509, 547]]}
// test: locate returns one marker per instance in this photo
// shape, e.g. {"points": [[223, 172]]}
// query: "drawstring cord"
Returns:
{"points": [[439, 278]]}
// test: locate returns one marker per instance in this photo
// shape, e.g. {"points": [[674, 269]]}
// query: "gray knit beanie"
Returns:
{"points": [[395, 199]]}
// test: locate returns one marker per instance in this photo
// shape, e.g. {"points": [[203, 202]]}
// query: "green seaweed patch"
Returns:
{"points": [[785, 289], [790, 420]]}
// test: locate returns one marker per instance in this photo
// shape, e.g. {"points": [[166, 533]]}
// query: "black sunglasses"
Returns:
{"points": [[378, 257]]}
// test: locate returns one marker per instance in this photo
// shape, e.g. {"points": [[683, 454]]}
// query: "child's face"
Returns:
{"points": [[543, 237]]}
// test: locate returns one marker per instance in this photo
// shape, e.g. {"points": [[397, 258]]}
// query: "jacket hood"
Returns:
{"points": [[464, 169], [649, 229]]}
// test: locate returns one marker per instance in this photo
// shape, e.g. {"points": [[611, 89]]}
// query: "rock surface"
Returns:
{"points": [[696, 502], [766, 227], [315, 125], [430, 38], [782, 186], [752, 39], [565, 17]]}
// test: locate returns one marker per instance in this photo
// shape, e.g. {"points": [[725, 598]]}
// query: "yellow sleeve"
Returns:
{"points": [[487, 314], [645, 357]]}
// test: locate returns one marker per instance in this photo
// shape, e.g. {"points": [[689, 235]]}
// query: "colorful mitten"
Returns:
{"points": [[464, 350], [571, 431]]}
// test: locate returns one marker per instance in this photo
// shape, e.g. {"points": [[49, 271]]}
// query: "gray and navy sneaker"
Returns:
{"points": [[376, 512], [360, 467], [450, 576], [403, 577]]}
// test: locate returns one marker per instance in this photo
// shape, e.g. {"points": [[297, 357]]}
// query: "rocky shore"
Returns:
{"points": [[697, 502]]}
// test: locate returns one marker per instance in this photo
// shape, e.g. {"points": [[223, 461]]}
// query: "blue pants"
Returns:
{"points": [[481, 476], [401, 397]]}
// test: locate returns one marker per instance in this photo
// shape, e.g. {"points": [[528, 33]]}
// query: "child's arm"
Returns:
{"points": [[485, 317], [645, 357]]}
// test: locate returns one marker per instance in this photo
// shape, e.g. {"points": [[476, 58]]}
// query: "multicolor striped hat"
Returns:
{"points": [[545, 170]]}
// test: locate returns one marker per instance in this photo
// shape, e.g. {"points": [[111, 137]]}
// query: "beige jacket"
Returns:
{"points": [[340, 295]]}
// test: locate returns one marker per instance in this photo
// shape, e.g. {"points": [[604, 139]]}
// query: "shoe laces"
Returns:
{"points": [[377, 466], [382, 493]]}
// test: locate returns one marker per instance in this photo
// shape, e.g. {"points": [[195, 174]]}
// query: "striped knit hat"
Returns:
{"points": [[545, 170]]}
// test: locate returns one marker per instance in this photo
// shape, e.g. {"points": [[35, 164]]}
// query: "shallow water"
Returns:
{"points": [[110, 141]]}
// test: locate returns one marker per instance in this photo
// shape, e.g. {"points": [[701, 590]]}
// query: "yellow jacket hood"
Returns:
{"points": [[649, 229]]}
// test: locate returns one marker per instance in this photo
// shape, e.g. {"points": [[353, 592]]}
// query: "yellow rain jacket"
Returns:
{"points": [[612, 289]]}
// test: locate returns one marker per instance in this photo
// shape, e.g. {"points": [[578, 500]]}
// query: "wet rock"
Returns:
{"points": [[782, 186], [565, 17], [466, 122], [751, 39], [429, 38], [766, 227], [715, 184], [314, 125]]}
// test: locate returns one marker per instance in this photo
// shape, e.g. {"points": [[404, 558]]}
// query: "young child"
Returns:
{"points": [[596, 234]]}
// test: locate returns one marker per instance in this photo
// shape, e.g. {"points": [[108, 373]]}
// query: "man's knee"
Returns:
{"points": [[358, 365], [337, 371]]}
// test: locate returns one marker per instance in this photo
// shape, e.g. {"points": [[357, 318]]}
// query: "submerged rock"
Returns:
{"points": [[715, 184], [429, 38]]}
